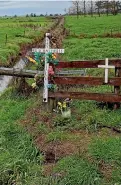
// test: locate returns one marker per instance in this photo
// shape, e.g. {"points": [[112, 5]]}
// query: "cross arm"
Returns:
{"points": [[42, 50]]}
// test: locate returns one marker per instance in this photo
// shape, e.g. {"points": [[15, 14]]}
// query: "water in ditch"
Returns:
{"points": [[6, 80]]}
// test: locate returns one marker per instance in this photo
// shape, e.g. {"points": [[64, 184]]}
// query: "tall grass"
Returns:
{"points": [[20, 160]]}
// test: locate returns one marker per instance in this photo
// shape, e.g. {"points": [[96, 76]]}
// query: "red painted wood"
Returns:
{"points": [[107, 97], [87, 81], [88, 63]]}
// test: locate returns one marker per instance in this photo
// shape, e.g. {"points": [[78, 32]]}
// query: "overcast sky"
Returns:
{"points": [[26, 7]]}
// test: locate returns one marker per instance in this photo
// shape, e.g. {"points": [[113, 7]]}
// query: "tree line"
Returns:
{"points": [[84, 7]]}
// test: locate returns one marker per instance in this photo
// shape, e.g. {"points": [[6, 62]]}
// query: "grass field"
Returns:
{"points": [[20, 30], [88, 40], [92, 48], [93, 25], [87, 153]]}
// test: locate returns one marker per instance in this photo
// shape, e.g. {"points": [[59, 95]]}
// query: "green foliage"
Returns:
{"points": [[38, 56], [90, 116], [77, 171], [58, 135], [19, 30], [87, 49], [116, 176], [19, 158], [93, 25], [66, 123], [60, 121], [42, 128], [108, 150]]}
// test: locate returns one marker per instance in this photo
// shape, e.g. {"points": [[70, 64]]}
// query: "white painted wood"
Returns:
{"points": [[42, 50], [45, 90], [46, 50], [106, 67]]}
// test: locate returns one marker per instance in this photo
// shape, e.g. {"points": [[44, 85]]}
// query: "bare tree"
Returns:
{"points": [[91, 8], [76, 6], [84, 4], [107, 7], [98, 7]]}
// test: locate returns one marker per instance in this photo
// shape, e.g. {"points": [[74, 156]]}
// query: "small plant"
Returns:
{"points": [[61, 121]]}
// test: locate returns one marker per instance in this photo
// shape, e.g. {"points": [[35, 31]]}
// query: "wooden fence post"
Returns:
{"points": [[6, 39], [117, 88]]}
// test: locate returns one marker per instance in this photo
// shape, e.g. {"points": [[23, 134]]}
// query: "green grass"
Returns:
{"points": [[88, 49], [58, 135], [78, 171], [20, 30], [93, 25], [93, 48], [20, 160], [91, 117], [108, 149]]}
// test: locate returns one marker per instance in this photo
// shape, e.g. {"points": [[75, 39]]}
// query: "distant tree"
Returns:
{"points": [[15, 15], [51, 14], [65, 10], [76, 7], [91, 8], [55, 14], [115, 6], [84, 7], [98, 7], [110, 6], [41, 15], [34, 15], [27, 15], [106, 5], [118, 5], [31, 14]]}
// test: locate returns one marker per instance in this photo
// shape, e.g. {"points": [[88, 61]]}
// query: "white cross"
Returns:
{"points": [[46, 50], [106, 67]]}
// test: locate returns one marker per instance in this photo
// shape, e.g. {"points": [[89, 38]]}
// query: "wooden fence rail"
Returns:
{"points": [[95, 81], [101, 97], [88, 63]]}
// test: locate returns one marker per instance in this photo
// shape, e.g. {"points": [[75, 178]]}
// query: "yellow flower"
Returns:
{"points": [[34, 85]]}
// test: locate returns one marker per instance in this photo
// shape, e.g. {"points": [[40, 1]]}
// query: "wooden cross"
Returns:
{"points": [[106, 67], [46, 50]]}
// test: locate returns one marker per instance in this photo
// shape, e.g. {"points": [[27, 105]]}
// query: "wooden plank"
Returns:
{"points": [[117, 88], [31, 73], [19, 72], [107, 97], [88, 63], [71, 72], [87, 81]]}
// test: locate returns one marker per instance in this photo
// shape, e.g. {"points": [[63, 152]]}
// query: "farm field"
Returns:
{"points": [[90, 37], [18, 31], [41, 148]]}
